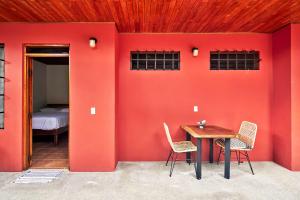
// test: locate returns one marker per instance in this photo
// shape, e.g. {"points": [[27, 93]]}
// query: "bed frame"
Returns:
{"points": [[57, 106], [54, 132]]}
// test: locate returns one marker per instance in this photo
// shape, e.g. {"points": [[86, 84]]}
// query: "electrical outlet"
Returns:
{"points": [[93, 110], [195, 108]]}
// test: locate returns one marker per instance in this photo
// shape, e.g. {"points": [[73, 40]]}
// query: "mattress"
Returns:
{"points": [[49, 120]]}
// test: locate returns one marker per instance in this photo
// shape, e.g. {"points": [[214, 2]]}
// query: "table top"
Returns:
{"points": [[209, 131]]}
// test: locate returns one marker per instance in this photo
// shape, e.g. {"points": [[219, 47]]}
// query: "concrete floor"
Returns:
{"points": [[150, 180]]}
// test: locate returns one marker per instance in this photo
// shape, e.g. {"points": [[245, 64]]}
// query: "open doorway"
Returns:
{"points": [[46, 106]]}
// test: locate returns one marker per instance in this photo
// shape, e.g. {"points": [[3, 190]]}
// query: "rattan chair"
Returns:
{"points": [[242, 144], [177, 148]]}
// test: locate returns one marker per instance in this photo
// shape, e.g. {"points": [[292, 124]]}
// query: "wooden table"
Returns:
{"points": [[209, 132]]}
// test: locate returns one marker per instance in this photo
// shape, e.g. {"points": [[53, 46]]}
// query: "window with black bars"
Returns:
{"points": [[2, 63], [155, 60], [234, 60]]}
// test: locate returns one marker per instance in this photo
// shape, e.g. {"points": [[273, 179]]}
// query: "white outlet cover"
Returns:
{"points": [[93, 110], [195, 108]]}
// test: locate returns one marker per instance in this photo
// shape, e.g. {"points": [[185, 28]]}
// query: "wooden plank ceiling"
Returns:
{"points": [[195, 16]]}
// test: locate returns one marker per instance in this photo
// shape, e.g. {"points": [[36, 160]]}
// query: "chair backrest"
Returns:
{"points": [[247, 133], [168, 135]]}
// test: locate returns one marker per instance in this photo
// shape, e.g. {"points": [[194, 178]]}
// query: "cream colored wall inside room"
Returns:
{"points": [[57, 84]]}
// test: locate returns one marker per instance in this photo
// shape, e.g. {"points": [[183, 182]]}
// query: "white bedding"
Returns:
{"points": [[49, 120]]}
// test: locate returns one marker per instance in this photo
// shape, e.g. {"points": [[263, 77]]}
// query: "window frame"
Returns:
{"points": [[2, 89], [155, 60], [235, 60]]}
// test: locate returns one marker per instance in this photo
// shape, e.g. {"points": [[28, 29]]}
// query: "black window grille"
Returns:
{"points": [[155, 60], [2, 79], [234, 60]]}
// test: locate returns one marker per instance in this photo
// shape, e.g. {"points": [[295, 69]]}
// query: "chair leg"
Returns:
{"points": [[173, 164], [240, 160], [219, 155], [248, 159], [55, 140], [237, 157], [170, 154]]}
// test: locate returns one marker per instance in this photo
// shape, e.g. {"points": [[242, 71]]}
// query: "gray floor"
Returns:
{"points": [[150, 180]]}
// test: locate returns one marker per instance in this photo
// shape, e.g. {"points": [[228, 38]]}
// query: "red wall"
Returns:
{"points": [[281, 98], [116, 93], [132, 105], [295, 88], [92, 83], [146, 99], [286, 97]]}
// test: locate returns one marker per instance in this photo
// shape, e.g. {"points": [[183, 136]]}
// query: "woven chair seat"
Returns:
{"points": [[235, 144], [184, 146]]}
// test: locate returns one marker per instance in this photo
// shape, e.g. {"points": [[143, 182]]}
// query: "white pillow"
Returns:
{"points": [[49, 110], [64, 110]]}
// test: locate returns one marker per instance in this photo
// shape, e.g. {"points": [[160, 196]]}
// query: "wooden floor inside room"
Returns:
{"points": [[47, 155]]}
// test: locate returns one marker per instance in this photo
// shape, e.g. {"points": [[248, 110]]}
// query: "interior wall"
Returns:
{"points": [[57, 84], [92, 83], [146, 99], [39, 85]]}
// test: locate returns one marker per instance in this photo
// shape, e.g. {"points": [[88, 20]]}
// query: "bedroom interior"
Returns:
{"points": [[50, 108]]}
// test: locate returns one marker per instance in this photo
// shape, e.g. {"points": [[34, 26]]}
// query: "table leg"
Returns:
{"points": [[199, 158], [227, 159], [211, 150], [188, 154]]}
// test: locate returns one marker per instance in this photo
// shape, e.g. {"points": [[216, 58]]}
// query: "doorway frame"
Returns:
{"points": [[28, 94]]}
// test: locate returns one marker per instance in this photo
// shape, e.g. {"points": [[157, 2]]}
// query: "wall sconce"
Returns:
{"points": [[195, 51], [93, 42]]}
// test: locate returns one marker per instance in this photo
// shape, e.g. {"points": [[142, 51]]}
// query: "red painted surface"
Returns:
{"points": [[295, 88], [132, 105], [286, 97], [92, 83], [116, 93], [146, 99], [281, 98]]}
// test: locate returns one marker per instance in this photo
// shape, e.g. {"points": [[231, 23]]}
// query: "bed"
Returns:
{"points": [[50, 121]]}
